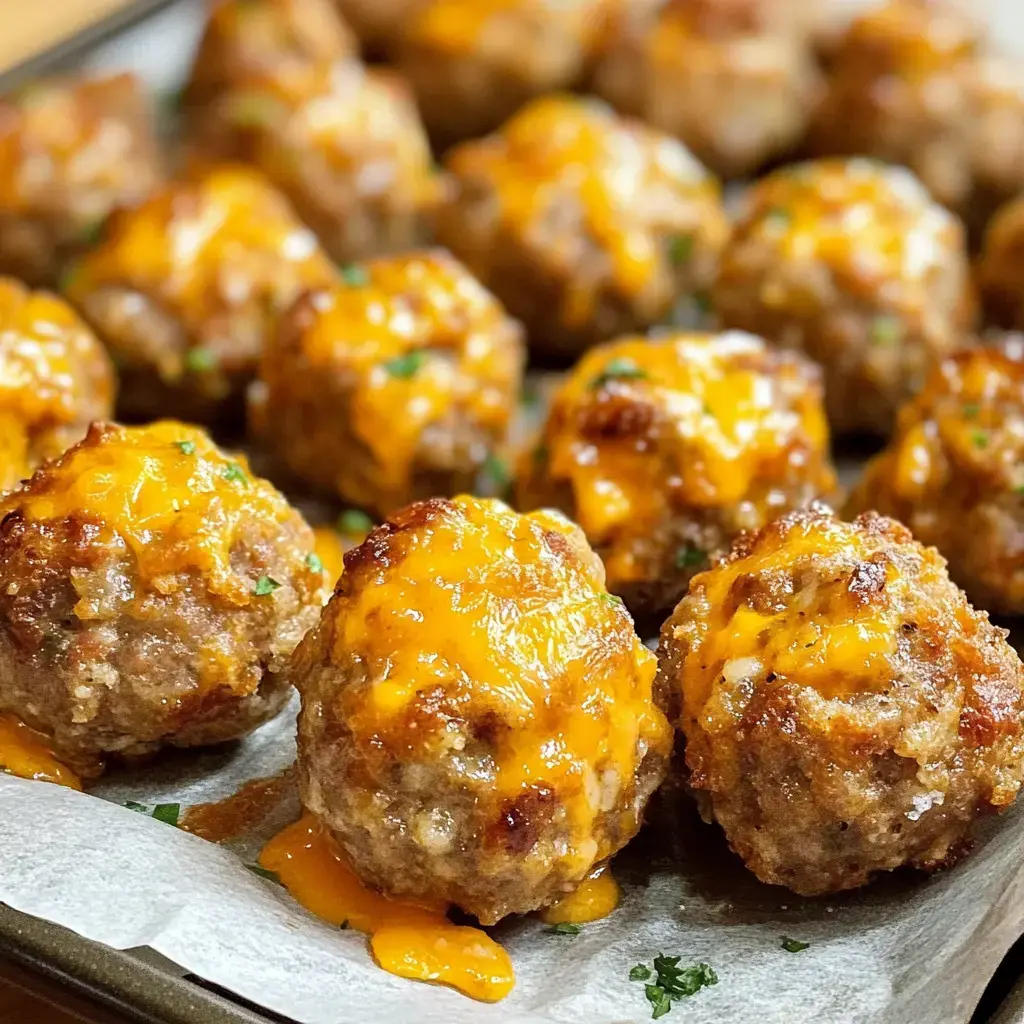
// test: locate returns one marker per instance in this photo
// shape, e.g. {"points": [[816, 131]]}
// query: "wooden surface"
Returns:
{"points": [[28, 998], [30, 27]]}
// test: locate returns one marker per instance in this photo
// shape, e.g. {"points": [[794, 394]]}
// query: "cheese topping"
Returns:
{"points": [[596, 897], [25, 753]]}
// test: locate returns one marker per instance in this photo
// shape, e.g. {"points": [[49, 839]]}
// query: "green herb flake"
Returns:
{"points": [[250, 110], [671, 981], [353, 523], [186, 447], [979, 438], [886, 330], [200, 360], [659, 1000], [1019, 489], [406, 366], [266, 585], [91, 234], [355, 275], [531, 396], [314, 562], [970, 410], [132, 805], [496, 472], [779, 215], [703, 303], [233, 473], [680, 249], [641, 972], [611, 598], [618, 369], [541, 454], [270, 876], [690, 556], [167, 813], [793, 945], [565, 928]]}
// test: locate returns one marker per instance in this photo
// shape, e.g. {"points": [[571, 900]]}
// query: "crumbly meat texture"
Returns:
{"points": [[397, 384], [71, 151], [853, 263], [1000, 268], [735, 80], [55, 379], [845, 710], [586, 225], [664, 450], [151, 592], [344, 143], [954, 472], [477, 724], [185, 289]]}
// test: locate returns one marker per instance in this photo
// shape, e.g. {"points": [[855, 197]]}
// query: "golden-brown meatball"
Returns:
{"points": [[344, 143], [185, 289], [55, 379], [151, 591], [734, 79], [378, 23], [473, 63], [396, 384], [663, 451], [852, 262], [1000, 269], [845, 709], [477, 724], [71, 151], [247, 38], [954, 472], [586, 225]]}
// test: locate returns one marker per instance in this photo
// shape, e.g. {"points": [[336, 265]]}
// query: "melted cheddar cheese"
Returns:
{"points": [[407, 939], [25, 753], [330, 548], [596, 897]]}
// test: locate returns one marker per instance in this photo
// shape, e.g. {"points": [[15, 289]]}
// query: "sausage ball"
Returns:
{"points": [[954, 472], [185, 289], [734, 79], [151, 591], [584, 224], [477, 723], [397, 384], [55, 379], [663, 451], [70, 152], [246, 38], [473, 63], [378, 23], [852, 262], [344, 143], [1000, 268], [845, 710]]}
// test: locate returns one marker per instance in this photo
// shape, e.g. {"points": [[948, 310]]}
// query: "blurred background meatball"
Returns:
{"points": [[71, 151], [396, 384], [185, 289], [1000, 268], [845, 709], [736, 80], [55, 379], [477, 724], [473, 63], [852, 262], [378, 23], [273, 38], [954, 472], [344, 143], [663, 451], [586, 225], [151, 590]]}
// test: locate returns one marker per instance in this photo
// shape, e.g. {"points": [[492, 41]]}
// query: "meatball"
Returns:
{"points": [[246, 38], [663, 451], [845, 710], [55, 379], [477, 723], [853, 263], [151, 591], [735, 80], [954, 472], [378, 23], [185, 289], [473, 63], [584, 224], [397, 384], [1000, 270], [343, 143], [70, 152]]}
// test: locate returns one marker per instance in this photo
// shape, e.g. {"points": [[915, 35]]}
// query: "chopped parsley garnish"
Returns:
{"points": [[133, 806], [250, 110], [354, 274], [531, 396], [233, 473], [266, 585], [92, 233], [270, 876], [564, 928], [611, 598], [186, 447], [779, 214], [1019, 489], [167, 813], [793, 945], [703, 302], [690, 556], [541, 454], [200, 360], [979, 439], [680, 249], [406, 366], [971, 410], [496, 472], [659, 1000], [641, 972], [353, 523], [886, 330], [671, 981], [618, 369], [314, 562]]}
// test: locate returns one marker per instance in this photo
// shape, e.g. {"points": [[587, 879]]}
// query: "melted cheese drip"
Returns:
{"points": [[595, 899], [24, 752], [330, 546], [407, 939]]}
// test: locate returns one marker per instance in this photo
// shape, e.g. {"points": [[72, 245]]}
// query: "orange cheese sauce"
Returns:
{"points": [[596, 897], [25, 753], [167, 493], [581, 152], [407, 939]]}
